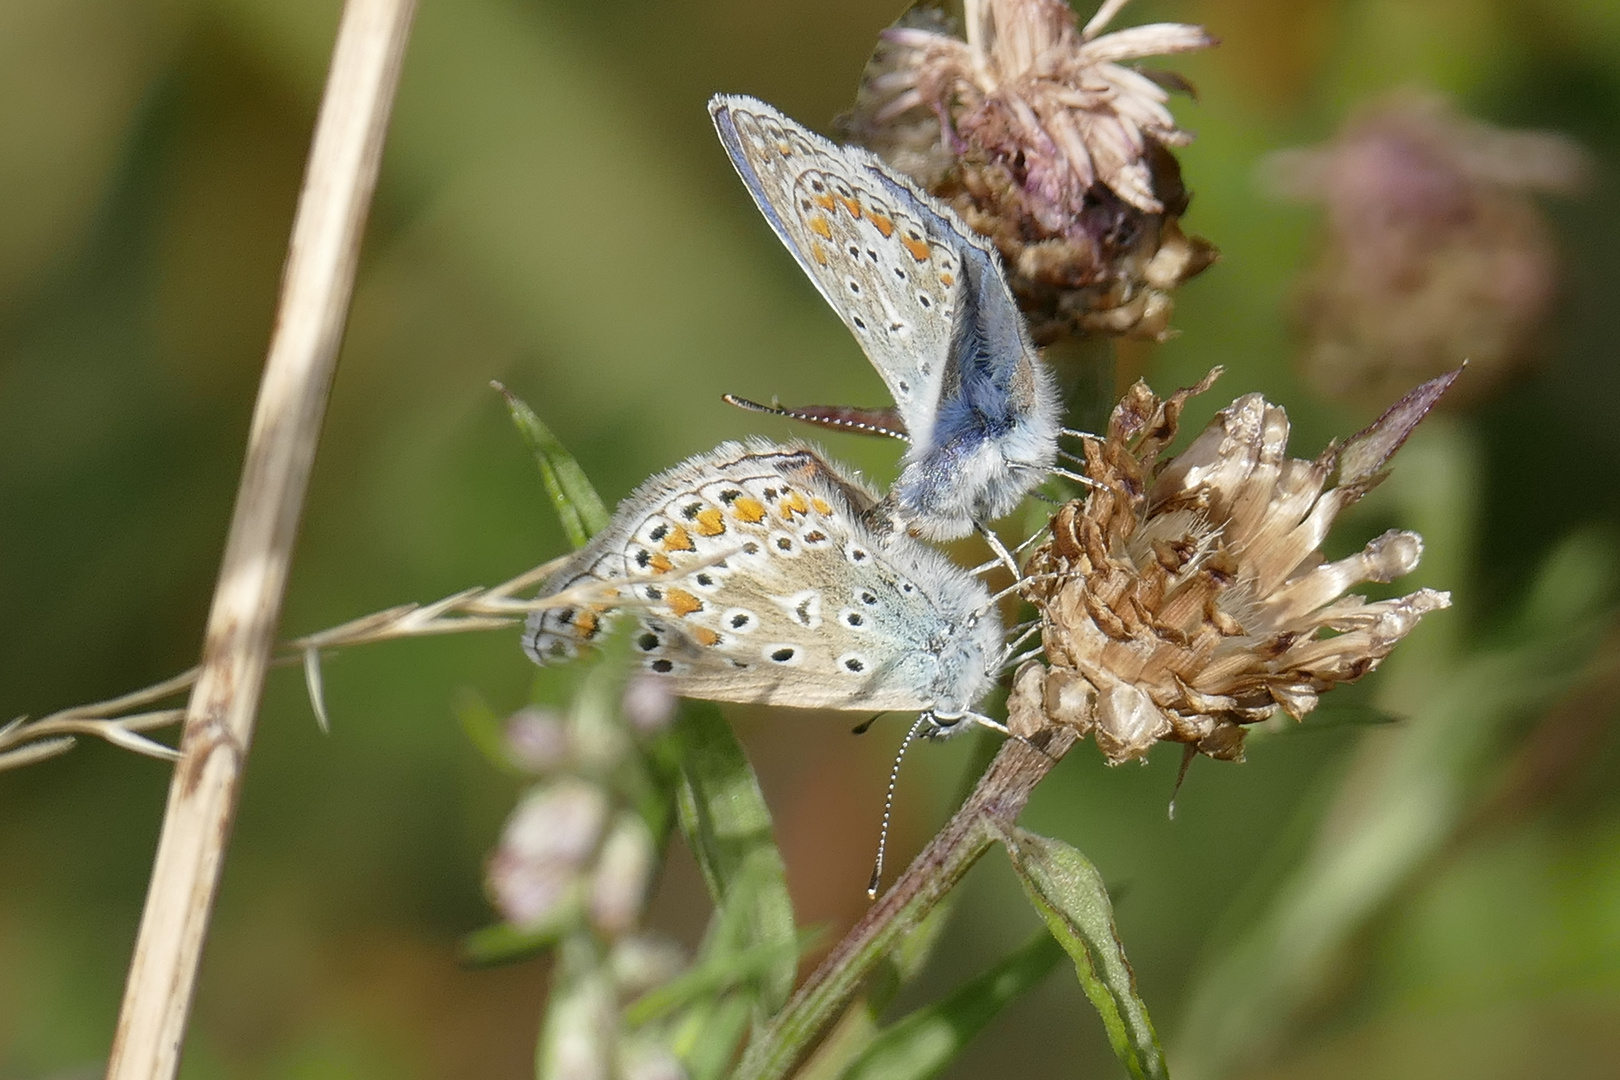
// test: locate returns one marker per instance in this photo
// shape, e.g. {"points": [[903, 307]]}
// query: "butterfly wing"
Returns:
{"points": [[875, 250], [754, 580]]}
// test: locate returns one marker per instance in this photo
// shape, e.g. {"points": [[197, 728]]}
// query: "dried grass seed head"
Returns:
{"points": [[1185, 599]]}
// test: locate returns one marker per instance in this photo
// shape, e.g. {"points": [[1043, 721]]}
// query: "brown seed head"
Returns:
{"points": [[1182, 600], [1044, 139]]}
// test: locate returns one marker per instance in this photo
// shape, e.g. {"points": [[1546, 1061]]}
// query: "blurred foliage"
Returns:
{"points": [[554, 212]]}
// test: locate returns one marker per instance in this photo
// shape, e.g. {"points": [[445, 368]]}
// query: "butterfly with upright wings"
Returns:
{"points": [[926, 298]]}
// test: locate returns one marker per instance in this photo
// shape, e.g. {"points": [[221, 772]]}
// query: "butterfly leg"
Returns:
{"points": [[1008, 659], [1003, 556], [1029, 654]]}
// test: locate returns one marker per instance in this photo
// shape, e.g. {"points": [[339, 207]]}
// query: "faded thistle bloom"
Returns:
{"points": [[1039, 133], [1433, 248], [1185, 599]]}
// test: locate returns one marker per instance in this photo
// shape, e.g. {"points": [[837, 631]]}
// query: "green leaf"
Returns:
{"points": [[1068, 893], [711, 979], [726, 824], [579, 507], [924, 1043], [484, 729], [706, 1037], [502, 943]]}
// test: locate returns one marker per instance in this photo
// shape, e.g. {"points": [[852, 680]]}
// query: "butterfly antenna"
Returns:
{"points": [[888, 807], [1075, 434], [1188, 752]]}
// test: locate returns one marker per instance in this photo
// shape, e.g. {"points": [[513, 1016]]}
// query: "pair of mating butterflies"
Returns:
{"points": [[765, 573]]}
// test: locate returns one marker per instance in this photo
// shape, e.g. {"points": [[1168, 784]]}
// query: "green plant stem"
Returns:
{"points": [[996, 801]]}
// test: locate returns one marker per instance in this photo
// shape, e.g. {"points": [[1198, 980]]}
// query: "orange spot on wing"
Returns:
{"points": [[710, 522], [751, 511], [661, 563], [852, 205], [793, 503], [704, 636], [821, 227], [824, 201], [918, 248], [784, 148], [885, 225], [821, 506], [678, 540], [818, 253], [682, 602], [947, 279], [585, 622]]}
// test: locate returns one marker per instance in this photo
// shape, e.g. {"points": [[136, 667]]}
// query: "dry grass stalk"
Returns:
{"points": [[318, 282]]}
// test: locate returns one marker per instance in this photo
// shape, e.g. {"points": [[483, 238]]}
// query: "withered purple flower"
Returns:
{"points": [[1183, 600], [1433, 251], [1044, 139]]}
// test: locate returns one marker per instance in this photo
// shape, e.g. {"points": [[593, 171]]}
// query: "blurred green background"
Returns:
{"points": [[1434, 898]]}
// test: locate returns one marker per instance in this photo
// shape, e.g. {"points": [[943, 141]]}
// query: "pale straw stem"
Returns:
{"points": [[316, 287]]}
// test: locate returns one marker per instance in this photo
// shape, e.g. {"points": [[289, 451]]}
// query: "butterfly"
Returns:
{"points": [[754, 577], [926, 298]]}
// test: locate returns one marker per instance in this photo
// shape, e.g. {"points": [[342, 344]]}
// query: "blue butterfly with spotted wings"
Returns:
{"points": [[926, 298]]}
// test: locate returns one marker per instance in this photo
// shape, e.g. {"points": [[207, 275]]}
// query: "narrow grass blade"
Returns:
{"points": [[578, 505]]}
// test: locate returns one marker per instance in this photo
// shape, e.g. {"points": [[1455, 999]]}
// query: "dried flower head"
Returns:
{"points": [[1039, 134], [1186, 599], [1434, 251]]}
